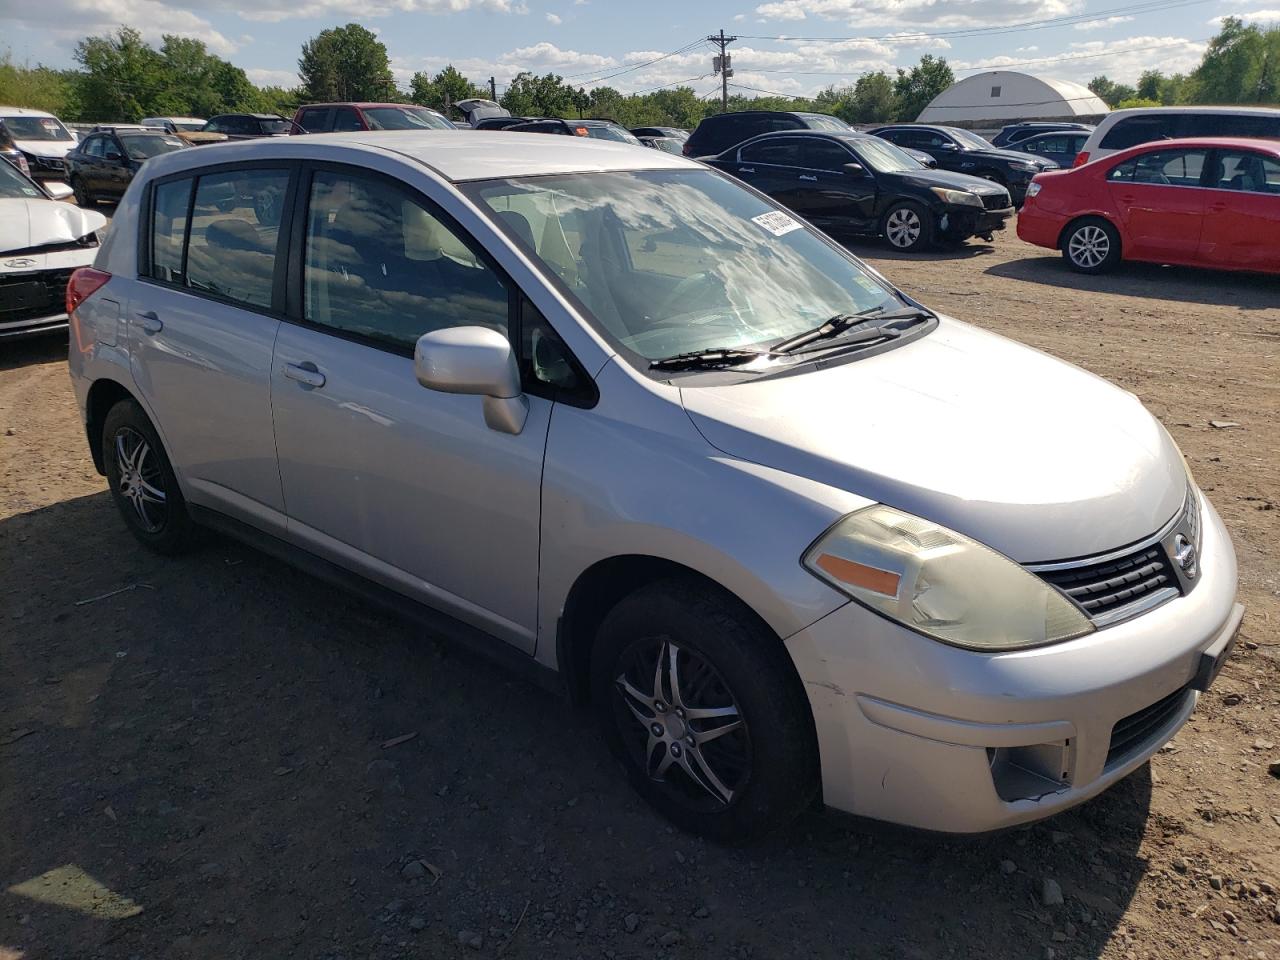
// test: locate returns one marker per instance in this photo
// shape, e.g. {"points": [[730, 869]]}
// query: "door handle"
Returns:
{"points": [[746, 169], [805, 176], [305, 373], [151, 324]]}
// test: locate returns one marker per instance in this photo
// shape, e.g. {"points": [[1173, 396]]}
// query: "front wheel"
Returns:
{"points": [[1091, 246], [142, 482], [83, 197], [907, 227], [702, 706]]}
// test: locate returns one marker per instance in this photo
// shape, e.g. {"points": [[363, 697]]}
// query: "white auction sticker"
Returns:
{"points": [[776, 222]]}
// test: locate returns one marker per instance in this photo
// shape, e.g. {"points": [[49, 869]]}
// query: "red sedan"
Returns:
{"points": [[1207, 202]]}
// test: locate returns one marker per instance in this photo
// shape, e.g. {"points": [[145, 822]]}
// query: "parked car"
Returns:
{"points": [[616, 419], [848, 183], [599, 129], [1061, 147], [665, 144], [337, 117], [175, 124], [41, 137], [249, 126], [1017, 132], [476, 109], [500, 123], [1211, 202], [41, 241], [104, 163], [1122, 129], [920, 157], [965, 152], [9, 151], [673, 133], [718, 133]]}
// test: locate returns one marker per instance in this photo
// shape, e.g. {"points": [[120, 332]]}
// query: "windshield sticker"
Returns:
{"points": [[776, 222]]}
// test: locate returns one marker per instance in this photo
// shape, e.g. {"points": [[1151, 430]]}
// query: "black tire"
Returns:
{"points": [[83, 197], [1091, 245], [907, 227], [127, 434], [726, 662]]}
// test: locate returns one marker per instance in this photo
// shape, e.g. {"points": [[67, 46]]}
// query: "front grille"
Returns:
{"points": [[51, 164], [1103, 587], [995, 201], [1135, 731], [32, 296]]}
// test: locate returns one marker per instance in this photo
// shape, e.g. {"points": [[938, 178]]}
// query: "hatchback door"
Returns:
{"points": [[202, 321], [406, 485], [1242, 215], [1161, 204]]}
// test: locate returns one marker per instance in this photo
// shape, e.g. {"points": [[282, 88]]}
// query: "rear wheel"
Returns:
{"points": [[142, 482], [83, 197], [702, 706], [907, 227], [1091, 246]]}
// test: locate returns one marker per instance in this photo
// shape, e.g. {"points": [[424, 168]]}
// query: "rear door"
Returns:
{"points": [[201, 326], [1242, 214], [1161, 203]]}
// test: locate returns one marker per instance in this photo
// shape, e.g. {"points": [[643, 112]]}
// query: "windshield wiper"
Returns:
{"points": [[882, 328], [707, 359]]}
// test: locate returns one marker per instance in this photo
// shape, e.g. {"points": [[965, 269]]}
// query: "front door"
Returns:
{"points": [[1161, 204], [403, 484], [1242, 213], [829, 196], [770, 166], [201, 329]]}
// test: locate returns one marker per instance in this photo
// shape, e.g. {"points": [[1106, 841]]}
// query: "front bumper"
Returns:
{"points": [[916, 732], [965, 221], [46, 168], [34, 302]]}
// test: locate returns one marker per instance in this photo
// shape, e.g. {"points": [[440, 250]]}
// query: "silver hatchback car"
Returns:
{"points": [[614, 417]]}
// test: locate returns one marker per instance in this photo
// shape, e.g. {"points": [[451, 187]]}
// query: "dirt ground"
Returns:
{"points": [[198, 767]]}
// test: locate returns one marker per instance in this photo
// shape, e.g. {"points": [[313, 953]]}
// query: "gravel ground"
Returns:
{"points": [[204, 765]]}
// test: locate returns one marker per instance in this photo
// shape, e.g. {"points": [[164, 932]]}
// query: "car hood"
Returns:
{"points": [[26, 224], [948, 178], [55, 149], [1025, 453]]}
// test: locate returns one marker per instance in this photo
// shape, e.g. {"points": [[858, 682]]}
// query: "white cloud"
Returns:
{"points": [[739, 17], [1103, 23], [274, 11], [553, 20], [1255, 16], [264, 77], [70, 20], [1121, 60], [935, 14]]}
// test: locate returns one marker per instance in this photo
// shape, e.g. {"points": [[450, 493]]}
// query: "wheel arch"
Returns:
{"points": [[1092, 215], [104, 394]]}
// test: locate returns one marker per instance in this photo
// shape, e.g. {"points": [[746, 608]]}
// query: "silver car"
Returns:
{"points": [[621, 421]]}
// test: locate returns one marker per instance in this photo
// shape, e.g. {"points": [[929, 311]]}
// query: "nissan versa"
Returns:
{"points": [[611, 415]]}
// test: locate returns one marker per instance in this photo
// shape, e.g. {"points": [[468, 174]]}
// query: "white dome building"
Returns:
{"points": [[1007, 95]]}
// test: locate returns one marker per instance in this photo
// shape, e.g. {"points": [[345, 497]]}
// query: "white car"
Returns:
{"points": [[175, 124], [42, 240], [1122, 129], [41, 137]]}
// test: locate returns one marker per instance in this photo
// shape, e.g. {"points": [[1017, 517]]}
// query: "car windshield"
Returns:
{"points": [[405, 118], [274, 126], [142, 146], [668, 145], [608, 131], [970, 140], [672, 262], [884, 157], [14, 186], [820, 121], [35, 128]]}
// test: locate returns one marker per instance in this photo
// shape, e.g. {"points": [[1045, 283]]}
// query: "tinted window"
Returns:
{"points": [[380, 264], [271, 127], [820, 121], [1232, 125], [169, 203], [344, 118], [1170, 168], [823, 155], [314, 121], [95, 146], [35, 128], [145, 146], [234, 227], [404, 118], [1131, 131], [1246, 171], [783, 152], [1055, 144]]}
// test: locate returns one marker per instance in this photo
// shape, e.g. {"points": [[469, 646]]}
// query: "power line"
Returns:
{"points": [[673, 83], [723, 65], [638, 66]]}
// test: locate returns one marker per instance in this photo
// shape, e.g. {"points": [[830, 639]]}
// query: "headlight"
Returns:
{"points": [[1033, 188], [941, 583], [1025, 167], [958, 197]]}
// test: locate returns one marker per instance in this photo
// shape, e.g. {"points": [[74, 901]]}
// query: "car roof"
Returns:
{"points": [[1131, 111], [1208, 143], [177, 119], [456, 155], [362, 104], [256, 116]]}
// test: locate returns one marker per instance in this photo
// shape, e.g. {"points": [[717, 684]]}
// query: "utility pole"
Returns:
{"points": [[723, 65], [493, 90]]}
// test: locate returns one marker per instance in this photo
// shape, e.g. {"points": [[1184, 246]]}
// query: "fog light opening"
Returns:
{"points": [[1031, 772]]}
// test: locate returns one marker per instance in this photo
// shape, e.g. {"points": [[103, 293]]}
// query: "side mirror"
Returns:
{"points": [[113, 157], [855, 169], [944, 146], [477, 361], [58, 190]]}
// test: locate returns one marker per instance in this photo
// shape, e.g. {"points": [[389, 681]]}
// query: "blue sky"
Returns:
{"points": [[589, 40]]}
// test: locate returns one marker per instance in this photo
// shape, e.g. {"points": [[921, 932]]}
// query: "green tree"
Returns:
{"points": [[346, 63], [40, 88], [543, 96], [123, 78], [1110, 91], [446, 87], [916, 87], [875, 99], [1241, 65]]}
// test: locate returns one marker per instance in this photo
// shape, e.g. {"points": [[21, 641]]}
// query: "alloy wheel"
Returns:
{"points": [[140, 480], [683, 724], [1089, 246], [903, 227]]}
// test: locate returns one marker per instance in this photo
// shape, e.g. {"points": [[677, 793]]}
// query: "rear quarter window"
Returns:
{"points": [[1131, 131], [1233, 125]]}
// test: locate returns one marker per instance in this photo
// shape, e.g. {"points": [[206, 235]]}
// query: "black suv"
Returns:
{"points": [[724, 130], [103, 164], [598, 127], [250, 126], [1012, 133], [673, 132], [965, 152], [849, 183]]}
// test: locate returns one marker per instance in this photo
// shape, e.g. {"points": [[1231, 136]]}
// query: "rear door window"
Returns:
{"points": [[1246, 171], [1167, 168], [96, 147], [1233, 125], [823, 155], [169, 205], [783, 152]]}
